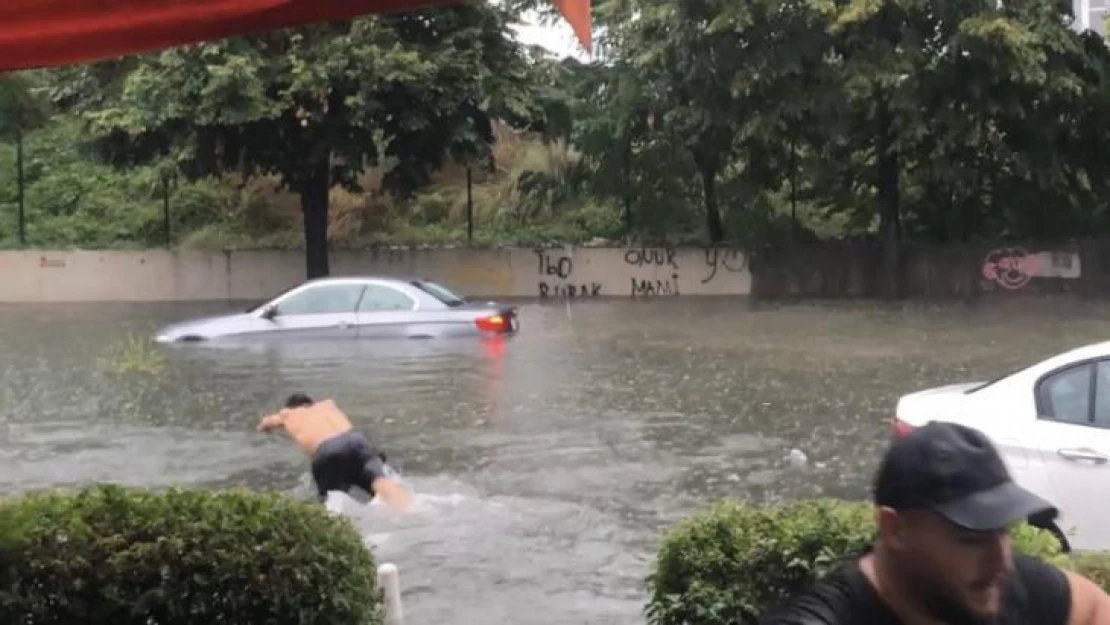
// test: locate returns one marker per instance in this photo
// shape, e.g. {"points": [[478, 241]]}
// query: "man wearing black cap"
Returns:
{"points": [[944, 501]]}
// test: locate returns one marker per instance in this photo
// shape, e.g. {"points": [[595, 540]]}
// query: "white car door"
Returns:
{"points": [[1072, 433], [385, 312], [319, 311], [1007, 416]]}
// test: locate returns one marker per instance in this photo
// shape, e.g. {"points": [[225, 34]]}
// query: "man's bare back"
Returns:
{"points": [[308, 426], [341, 457]]}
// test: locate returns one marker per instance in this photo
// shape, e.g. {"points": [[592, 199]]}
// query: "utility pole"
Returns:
{"points": [[469, 208], [166, 206], [19, 173]]}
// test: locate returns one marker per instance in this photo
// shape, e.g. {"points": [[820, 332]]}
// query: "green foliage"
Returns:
{"points": [[318, 106], [1093, 566], [402, 86], [112, 555], [730, 563], [911, 117], [759, 122], [22, 108], [136, 353], [74, 200]]}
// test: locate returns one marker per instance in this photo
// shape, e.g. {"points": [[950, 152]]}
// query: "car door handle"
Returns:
{"points": [[344, 324], [1082, 455]]}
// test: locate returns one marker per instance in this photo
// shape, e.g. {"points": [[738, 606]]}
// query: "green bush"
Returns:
{"points": [[732, 562], [1096, 566], [180, 557]]}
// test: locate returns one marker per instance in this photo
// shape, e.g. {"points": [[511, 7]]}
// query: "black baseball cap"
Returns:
{"points": [[955, 471]]}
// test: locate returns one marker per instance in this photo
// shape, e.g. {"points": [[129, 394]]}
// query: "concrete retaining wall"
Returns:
{"points": [[842, 269], [173, 275]]}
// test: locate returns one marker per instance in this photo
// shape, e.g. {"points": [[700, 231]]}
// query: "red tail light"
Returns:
{"points": [[493, 323], [899, 428]]}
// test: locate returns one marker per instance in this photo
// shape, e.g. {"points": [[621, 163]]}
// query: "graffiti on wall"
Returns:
{"points": [[665, 258], [1014, 267], [647, 271], [718, 261], [556, 271], [731, 260], [645, 287], [651, 257], [652, 271]]}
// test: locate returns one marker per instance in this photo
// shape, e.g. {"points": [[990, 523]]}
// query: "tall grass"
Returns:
{"points": [[136, 353], [504, 209]]}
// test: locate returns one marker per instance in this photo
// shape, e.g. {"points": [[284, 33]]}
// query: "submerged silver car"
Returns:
{"points": [[355, 307]]}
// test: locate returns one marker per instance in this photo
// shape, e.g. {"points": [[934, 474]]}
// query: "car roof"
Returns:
{"points": [[359, 278]]}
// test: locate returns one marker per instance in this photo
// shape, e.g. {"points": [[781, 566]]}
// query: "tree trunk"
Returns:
{"points": [[314, 205], [887, 161], [713, 225]]}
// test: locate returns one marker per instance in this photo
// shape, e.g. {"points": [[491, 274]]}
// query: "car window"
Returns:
{"points": [[1102, 394], [1066, 395], [322, 299], [439, 292], [380, 298]]}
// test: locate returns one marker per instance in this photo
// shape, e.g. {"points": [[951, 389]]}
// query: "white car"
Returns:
{"points": [[1051, 422]]}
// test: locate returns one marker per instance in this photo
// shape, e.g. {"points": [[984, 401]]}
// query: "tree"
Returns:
{"points": [[612, 120], [964, 117], [889, 121], [319, 105], [687, 70]]}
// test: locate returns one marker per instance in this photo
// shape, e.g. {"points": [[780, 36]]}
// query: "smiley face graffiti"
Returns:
{"points": [[1010, 267]]}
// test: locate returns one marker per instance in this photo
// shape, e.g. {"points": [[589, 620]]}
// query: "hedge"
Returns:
{"points": [[732, 562], [106, 554]]}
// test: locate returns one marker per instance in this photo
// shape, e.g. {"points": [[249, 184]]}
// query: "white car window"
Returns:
{"points": [[439, 292], [380, 298], [1102, 395], [321, 300], [1066, 395]]}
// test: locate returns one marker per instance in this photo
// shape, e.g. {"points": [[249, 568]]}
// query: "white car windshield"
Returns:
{"points": [[441, 293]]}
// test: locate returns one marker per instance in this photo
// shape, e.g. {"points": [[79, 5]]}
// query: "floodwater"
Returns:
{"points": [[547, 465]]}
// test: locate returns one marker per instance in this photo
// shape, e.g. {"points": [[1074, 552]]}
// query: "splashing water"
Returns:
{"points": [[371, 515]]}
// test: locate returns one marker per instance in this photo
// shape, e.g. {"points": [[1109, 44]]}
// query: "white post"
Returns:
{"points": [[389, 580]]}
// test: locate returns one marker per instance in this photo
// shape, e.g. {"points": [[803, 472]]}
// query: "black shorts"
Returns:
{"points": [[346, 460]]}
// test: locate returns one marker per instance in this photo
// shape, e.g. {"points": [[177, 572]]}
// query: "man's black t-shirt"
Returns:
{"points": [[1036, 594]]}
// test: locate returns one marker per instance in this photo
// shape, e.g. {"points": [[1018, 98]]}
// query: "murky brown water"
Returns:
{"points": [[546, 465]]}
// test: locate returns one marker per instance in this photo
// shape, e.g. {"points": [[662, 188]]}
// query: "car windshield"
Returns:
{"points": [[257, 306], [441, 293]]}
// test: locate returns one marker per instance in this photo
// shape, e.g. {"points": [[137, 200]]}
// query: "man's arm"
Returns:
{"points": [[1090, 605], [272, 422], [394, 493]]}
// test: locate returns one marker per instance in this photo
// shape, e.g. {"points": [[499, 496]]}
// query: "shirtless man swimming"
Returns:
{"points": [[341, 456]]}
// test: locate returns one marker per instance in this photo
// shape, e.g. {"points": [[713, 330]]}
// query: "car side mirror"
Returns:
{"points": [[269, 313]]}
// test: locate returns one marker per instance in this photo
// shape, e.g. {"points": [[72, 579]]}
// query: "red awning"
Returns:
{"points": [[43, 33]]}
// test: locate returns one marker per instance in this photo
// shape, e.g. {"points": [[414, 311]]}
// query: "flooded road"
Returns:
{"points": [[545, 465]]}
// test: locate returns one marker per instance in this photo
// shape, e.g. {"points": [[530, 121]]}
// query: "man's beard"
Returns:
{"points": [[936, 599]]}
